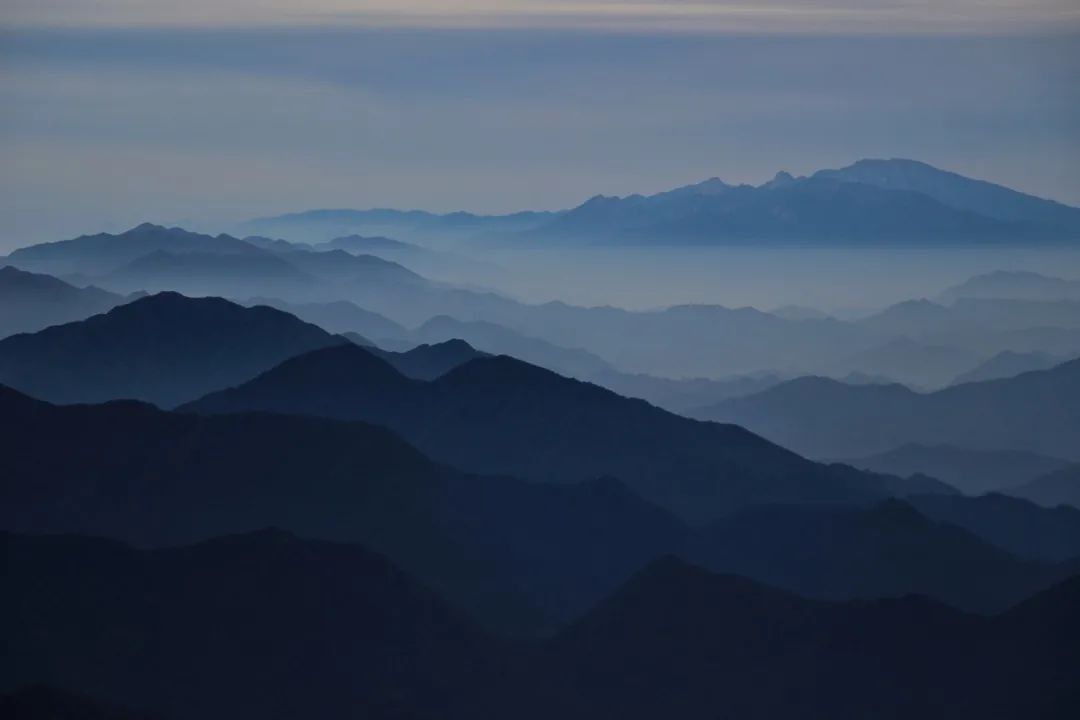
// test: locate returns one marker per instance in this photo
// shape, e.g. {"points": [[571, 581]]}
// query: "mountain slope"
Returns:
{"points": [[30, 302], [209, 273], [1007, 364], [1017, 285], [821, 208], [317, 226], [1058, 487], [500, 340], [256, 625], [677, 641], [517, 555], [104, 252], [338, 317], [674, 641], [165, 349], [971, 471], [1033, 412], [1019, 526], [889, 550], [427, 362], [954, 190], [502, 416]]}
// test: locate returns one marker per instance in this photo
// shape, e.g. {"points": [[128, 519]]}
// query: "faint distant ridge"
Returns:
{"points": [[103, 252], [1008, 364], [1058, 487], [957, 191], [318, 226], [1033, 412], [872, 201], [1015, 285], [30, 302]]}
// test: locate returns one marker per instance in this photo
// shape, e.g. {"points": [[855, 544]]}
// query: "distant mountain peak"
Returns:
{"points": [[780, 179]]}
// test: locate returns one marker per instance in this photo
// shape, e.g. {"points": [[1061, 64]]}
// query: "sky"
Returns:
{"points": [[204, 113]]}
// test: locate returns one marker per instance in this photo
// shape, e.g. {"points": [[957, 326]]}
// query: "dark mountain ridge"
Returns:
{"points": [[673, 641], [518, 556], [498, 415], [165, 349]]}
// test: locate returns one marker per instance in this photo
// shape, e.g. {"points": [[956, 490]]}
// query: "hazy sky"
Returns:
{"points": [[117, 111]]}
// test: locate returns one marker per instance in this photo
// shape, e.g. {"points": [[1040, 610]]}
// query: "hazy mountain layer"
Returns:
{"points": [[1034, 412]]}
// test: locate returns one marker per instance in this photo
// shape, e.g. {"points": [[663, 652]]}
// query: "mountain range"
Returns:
{"points": [[519, 556], [498, 415], [1034, 412], [921, 343], [971, 471], [104, 619], [871, 202], [1055, 488]]}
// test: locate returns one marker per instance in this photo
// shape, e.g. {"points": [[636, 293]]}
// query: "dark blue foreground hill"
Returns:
{"points": [[269, 625], [499, 415], [517, 555]]}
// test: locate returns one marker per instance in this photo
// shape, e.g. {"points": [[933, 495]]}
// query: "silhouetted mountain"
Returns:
{"points": [[275, 244], [871, 201], [889, 550], [1018, 526], [372, 244], [1058, 487], [500, 340], [232, 617], [165, 348], [427, 362], [103, 253], [1033, 412], [972, 471], [30, 302], [517, 555], [707, 341], [815, 209], [256, 625], [957, 191], [1017, 285], [341, 266], [927, 320], [680, 396], [677, 641], [1008, 364], [38, 702], [910, 317], [499, 415], [912, 362], [339, 317]]}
